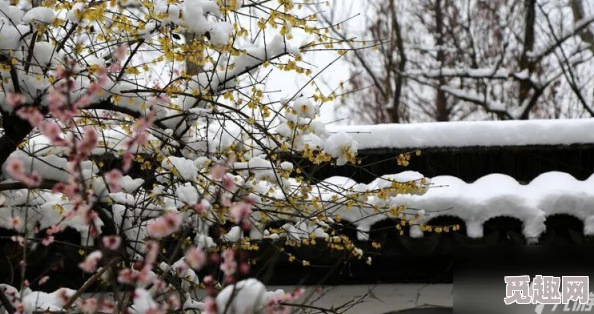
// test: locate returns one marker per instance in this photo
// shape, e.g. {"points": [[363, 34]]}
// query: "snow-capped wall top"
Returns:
{"points": [[498, 195], [471, 133], [494, 195]]}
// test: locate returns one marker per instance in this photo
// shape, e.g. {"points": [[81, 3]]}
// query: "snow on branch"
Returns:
{"points": [[467, 95]]}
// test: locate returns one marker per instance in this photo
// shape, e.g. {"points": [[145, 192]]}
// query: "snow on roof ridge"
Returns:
{"points": [[499, 195], [471, 133], [491, 196]]}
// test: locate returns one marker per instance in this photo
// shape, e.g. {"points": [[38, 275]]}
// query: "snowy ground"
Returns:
{"points": [[382, 299], [386, 298]]}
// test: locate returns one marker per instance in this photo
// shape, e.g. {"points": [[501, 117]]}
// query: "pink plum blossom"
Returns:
{"points": [[91, 261], [165, 225], [195, 258], [43, 280], [47, 240], [16, 169], [114, 178], [112, 242], [241, 211], [229, 265], [14, 100]]}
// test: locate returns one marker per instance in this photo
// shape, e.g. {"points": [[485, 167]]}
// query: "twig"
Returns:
{"points": [[89, 283], [6, 303]]}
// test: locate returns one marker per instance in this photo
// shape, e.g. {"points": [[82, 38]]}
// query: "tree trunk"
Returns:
{"points": [[15, 131], [577, 7], [192, 68], [397, 33], [525, 62], [441, 109]]}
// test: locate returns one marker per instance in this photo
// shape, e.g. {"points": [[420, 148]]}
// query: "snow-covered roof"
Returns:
{"points": [[492, 196], [471, 133], [498, 195]]}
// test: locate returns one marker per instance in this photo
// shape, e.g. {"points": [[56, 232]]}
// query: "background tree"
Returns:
{"points": [[442, 60]]}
